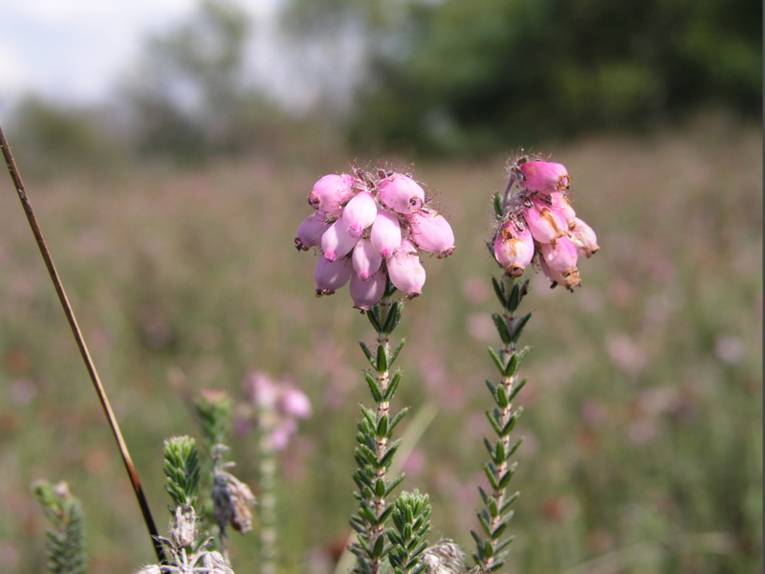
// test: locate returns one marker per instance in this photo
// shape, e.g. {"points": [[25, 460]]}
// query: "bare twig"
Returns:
{"points": [[135, 482]]}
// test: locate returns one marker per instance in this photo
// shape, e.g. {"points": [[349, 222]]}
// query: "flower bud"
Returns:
{"points": [[360, 213], [545, 176], [386, 233], [331, 192], [366, 259], [295, 403], [513, 248], [367, 293], [584, 238], [405, 270], [331, 275], [401, 193], [310, 231], [432, 233], [560, 202], [544, 222], [337, 241]]}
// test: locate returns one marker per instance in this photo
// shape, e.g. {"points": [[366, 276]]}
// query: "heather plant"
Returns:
{"points": [[369, 228]]}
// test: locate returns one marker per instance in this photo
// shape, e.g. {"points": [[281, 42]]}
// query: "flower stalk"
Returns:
{"points": [[375, 446], [267, 483]]}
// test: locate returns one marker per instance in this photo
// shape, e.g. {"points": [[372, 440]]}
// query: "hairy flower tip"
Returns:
{"points": [[406, 271], [444, 557], [331, 192], [431, 232], [545, 176], [370, 228], [232, 502], [310, 232], [401, 193], [513, 248], [212, 562], [183, 529]]}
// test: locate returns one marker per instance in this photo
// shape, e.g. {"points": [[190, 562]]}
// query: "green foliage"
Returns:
{"points": [[181, 469], [375, 445], [466, 75], [214, 411], [493, 540], [65, 536], [408, 538]]}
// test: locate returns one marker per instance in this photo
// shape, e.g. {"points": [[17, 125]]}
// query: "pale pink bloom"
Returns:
{"points": [[337, 241], [331, 275], [360, 213], [280, 436], [545, 222], [367, 293], [331, 192], [263, 390], [560, 202], [513, 248], [366, 259], [310, 231], [295, 403], [405, 270], [432, 233], [386, 233], [568, 281], [584, 237], [401, 193], [545, 176], [560, 255]]}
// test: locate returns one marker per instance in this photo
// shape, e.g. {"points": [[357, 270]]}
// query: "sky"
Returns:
{"points": [[76, 50]]}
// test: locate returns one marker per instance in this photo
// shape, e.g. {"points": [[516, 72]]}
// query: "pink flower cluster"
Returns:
{"points": [[369, 228], [284, 404], [538, 220]]}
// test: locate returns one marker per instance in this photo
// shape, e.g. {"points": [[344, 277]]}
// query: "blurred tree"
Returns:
{"points": [[456, 75], [189, 98]]}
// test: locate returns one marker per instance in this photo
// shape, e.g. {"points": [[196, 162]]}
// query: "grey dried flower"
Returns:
{"points": [[183, 531], [444, 557], [233, 501], [150, 569]]}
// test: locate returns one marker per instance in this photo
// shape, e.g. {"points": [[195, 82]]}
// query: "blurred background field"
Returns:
{"points": [[170, 202]]}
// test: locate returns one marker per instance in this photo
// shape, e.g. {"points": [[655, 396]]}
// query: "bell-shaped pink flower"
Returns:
{"points": [[366, 259], [310, 231], [584, 237], [560, 202], [366, 293], [560, 255], [293, 402], [545, 222], [280, 436], [331, 192], [386, 233], [431, 232], [513, 248], [568, 281], [545, 176], [405, 270], [360, 213], [337, 241], [331, 275], [401, 193]]}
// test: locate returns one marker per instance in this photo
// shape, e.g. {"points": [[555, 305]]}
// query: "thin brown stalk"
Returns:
{"points": [[135, 481]]}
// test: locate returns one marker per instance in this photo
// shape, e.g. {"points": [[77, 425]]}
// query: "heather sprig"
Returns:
{"points": [[182, 472], [65, 537], [408, 537]]}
